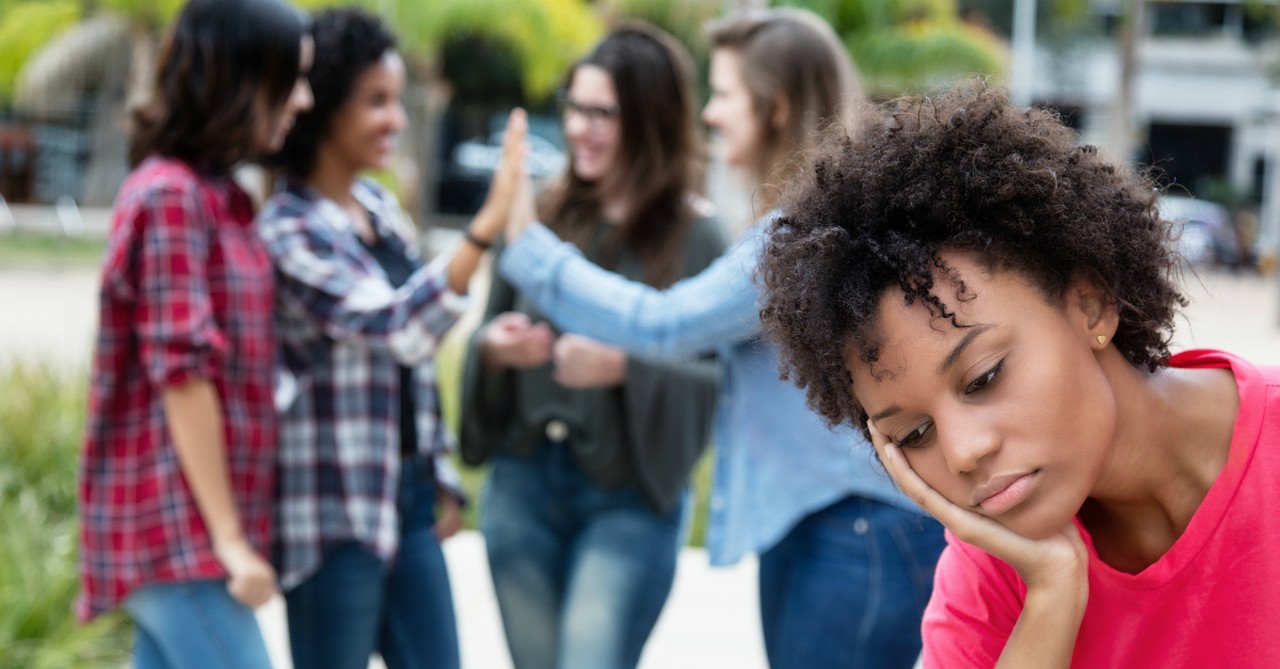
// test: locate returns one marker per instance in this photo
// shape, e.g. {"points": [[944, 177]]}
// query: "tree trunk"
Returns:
{"points": [[418, 168], [1122, 138]]}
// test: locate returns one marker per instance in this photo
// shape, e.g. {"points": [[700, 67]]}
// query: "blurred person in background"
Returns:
{"points": [[179, 459], [591, 449], [366, 491], [846, 560]]}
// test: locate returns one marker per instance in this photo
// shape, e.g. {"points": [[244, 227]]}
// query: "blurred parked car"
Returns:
{"points": [[1205, 233], [465, 176]]}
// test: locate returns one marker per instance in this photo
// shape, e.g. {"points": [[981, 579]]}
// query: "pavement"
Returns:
{"points": [[48, 314]]}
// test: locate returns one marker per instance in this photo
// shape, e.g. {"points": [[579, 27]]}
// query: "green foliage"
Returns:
{"points": [[26, 26], [546, 35], [27, 248], [152, 14], [919, 53], [684, 19], [905, 45], [41, 425]]}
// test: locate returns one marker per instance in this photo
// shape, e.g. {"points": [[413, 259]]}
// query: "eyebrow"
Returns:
{"points": [[960, 347], [886, 413], [946, 364]]}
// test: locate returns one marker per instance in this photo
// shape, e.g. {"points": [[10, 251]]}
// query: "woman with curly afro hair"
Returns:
{"points": [[366, 491], [993, 304]]}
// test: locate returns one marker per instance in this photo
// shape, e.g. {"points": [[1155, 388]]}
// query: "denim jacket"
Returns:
{"points": [[777, 461]]}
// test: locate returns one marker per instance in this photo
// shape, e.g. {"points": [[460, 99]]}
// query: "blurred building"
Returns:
{"points": [[1205, 105]]}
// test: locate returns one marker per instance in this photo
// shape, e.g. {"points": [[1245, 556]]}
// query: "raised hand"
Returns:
{"points": [[1061, 555], [511, 340], [507, 180], [1055, 569], [251, 580], [523, 210], [582, 363]]}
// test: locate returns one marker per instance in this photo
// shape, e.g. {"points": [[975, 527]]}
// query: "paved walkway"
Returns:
{"points": [[710, 620]]}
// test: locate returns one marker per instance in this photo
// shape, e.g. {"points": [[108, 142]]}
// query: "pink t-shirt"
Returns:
{"points": [[1213, 600]]}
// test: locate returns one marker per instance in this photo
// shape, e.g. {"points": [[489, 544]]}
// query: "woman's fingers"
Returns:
{"points": [[513, 139], [947, 512], [1033, 559], [523, 208], [513, 153], [969, 526]]}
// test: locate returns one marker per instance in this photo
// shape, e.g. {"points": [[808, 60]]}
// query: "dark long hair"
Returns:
{"points": [[348, 41], [658, 163], [222, 66]]}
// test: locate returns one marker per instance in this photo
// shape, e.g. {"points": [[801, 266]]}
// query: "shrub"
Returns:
{"points": [[41, 425]]}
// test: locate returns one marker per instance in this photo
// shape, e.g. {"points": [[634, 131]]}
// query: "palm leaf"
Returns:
{"points": [[25, 27], [922, 54], [90, 52], [546, 36]]}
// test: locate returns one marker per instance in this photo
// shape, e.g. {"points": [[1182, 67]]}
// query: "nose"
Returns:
{"points": [[965, 442], [305, 99], [575, 125], [709, 114], [399, 119]]}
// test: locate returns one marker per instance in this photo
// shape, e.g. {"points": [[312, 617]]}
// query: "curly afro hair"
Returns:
{"points": [[347, 41], [961, 170]]}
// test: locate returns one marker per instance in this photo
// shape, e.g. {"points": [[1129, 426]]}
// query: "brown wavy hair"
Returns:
{"points": [[791, 55], [961, 170], [659, 161], [222, 66]]}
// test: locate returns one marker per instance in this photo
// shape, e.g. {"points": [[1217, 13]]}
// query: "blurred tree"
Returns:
{"points": [[24, 28], [906, 45], [685, 19], [65, 48]]}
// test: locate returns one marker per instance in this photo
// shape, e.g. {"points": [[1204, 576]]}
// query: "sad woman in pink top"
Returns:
{"points": [[993, 304]]}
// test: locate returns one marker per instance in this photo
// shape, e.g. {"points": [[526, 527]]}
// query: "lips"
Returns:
{"points": [[1003, 492]]}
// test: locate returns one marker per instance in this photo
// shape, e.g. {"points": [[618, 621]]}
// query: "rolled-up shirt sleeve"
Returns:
{"points": [[348, 303], [179, 338]]}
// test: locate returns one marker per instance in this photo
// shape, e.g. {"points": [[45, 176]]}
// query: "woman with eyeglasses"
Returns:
{"points": [[846, 560], [591, 449]]}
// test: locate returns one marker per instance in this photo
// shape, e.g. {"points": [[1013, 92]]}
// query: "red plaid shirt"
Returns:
{"points": [[186, 294]]}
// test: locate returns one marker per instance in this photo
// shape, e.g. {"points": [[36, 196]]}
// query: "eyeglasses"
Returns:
{"points": [[596, 117]]}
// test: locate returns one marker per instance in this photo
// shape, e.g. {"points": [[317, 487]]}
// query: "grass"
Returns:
{"points": [[42, 413], [41, 423], [25, 248]]}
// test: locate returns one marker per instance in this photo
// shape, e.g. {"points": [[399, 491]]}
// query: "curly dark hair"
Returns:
{"points": [[348, 40], [961, 170]]}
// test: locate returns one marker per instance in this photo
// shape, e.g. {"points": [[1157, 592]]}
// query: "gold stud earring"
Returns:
{"points": [[1102, 339]]}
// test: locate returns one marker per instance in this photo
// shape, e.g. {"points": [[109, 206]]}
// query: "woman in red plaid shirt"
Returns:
{"points": [[177, 474]]}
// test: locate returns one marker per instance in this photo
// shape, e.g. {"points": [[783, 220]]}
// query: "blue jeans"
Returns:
{"points": [[847, 587], [194, 625], [356, 604], [580, 573]]}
